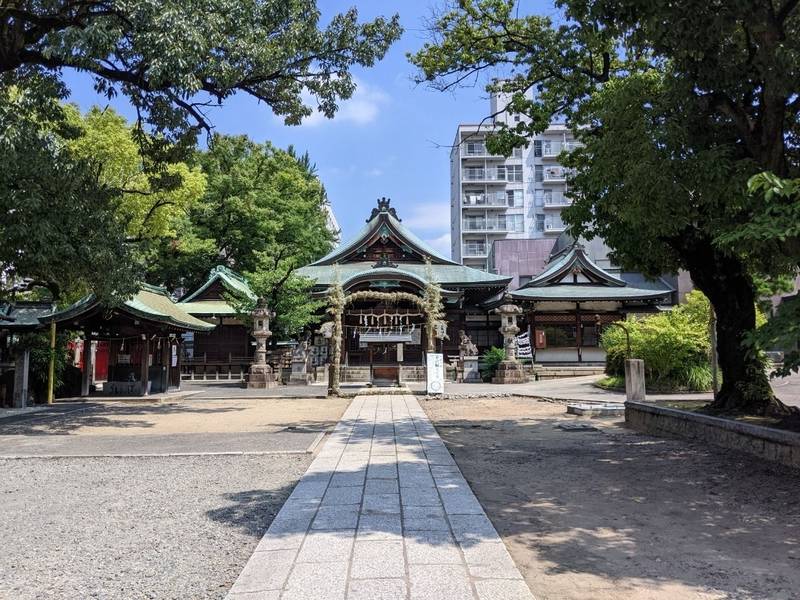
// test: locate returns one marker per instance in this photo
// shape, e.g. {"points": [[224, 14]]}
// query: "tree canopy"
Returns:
{"points": [[79, 201], [676, 105], [151, 200], [61, 228], [172, 59], [263, 213]]}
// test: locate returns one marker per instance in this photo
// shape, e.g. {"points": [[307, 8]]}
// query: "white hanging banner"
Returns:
{"points": [[524, 346]]}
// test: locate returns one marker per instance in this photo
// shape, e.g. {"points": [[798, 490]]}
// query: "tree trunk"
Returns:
{"points": [[725, 281]]}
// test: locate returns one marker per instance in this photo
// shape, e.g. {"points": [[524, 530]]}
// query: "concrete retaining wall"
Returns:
{"points": [[771, 444]]}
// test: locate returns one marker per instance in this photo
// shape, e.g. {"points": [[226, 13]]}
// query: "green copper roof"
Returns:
{"points": [[573, 259], [581, 292], [233, 282], [24, 314], [449, 275], [208, 307], [150, 303], [597, 284]]}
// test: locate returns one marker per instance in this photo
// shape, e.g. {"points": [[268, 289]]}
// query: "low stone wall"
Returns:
{"points": [[543, 372], [771, 444]]}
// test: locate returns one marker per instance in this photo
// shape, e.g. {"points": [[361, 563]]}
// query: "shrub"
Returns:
{"points": [[489, 361], [674, 346]]}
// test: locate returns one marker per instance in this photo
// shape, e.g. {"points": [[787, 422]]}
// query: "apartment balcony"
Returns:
{"points": [[485, 200], [554, 175], [485, 226], [479, 150], [553, 149], [503, 174], [555, 200], [482, 175], [472, 150], [475, 251], [554, 226]]}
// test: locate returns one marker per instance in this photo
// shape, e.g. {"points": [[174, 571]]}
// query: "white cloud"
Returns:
{"points": [[361, 109], [428, 216], [441, 244]]}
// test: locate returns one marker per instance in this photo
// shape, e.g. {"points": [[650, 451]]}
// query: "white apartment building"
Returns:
{"points": [[493, 197]]}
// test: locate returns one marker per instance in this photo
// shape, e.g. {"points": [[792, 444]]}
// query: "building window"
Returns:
{"points": [[514, 198], [513, 172], [539, 222], [516, 223], [538, 173], [517, 153], [560, 336], [537, 148]]}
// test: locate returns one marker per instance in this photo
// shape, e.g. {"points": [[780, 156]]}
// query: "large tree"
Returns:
{"points": [[152, 200], [263, 214], [61, 228], [676, 104], [173, 58]]}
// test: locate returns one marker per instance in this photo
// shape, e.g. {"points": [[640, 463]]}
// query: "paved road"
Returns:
{"points": [[382, 512]]}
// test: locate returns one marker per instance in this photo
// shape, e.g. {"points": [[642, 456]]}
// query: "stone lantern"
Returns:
{"points": [[261, 375], [509, 370]]}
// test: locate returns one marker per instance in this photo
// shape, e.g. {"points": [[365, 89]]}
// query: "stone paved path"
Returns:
{"points": [[382, 513]]}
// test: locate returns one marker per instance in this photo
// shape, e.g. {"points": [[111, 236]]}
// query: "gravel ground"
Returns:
{"points": [[613, 514], [166, 528]]}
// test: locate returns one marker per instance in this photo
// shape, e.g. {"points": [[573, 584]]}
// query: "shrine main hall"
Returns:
{"points": [[385, 273]]}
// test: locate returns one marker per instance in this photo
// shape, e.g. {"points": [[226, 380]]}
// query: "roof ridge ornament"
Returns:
{"points": [[383, 208], [384, 262]]}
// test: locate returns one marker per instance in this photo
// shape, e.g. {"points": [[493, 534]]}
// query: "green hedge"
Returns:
{"points": [[674, 345]]}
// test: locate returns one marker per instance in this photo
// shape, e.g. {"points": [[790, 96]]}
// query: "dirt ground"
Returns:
{"points": [[188, 416], [613, 514]]}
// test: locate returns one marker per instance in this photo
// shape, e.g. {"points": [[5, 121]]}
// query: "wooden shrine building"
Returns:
{"points": [[385, 339], [566, 305], [143, 335], [225, 351]]}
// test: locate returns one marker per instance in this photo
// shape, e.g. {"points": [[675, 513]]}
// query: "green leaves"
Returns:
{"points": [[263, 214], [62, 227], [174, 58], [674, 346], [676, 106]]}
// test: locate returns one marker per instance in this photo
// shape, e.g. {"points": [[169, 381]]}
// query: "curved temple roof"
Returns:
{"points": [[349, 261], [589, 282], [150, 303], [232, 281]]}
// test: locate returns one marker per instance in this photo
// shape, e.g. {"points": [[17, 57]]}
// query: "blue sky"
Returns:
{"points": [[390, 139]]}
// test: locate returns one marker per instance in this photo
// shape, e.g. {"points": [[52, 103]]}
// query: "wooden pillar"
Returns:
{"points": [[51, 369], [578, 336], [144, 367], [165, 362], [21, 377], [178, 355], [88, 367]]}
